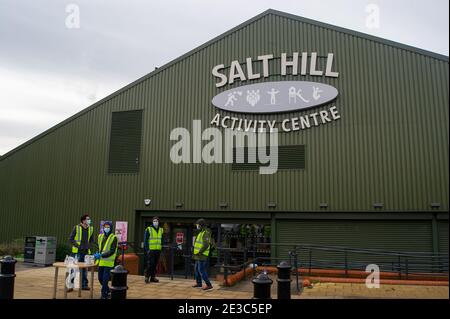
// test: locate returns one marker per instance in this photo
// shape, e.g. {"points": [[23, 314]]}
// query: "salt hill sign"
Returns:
{"points": [[275, 97]]}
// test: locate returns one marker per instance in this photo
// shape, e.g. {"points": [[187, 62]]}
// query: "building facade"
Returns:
{"points": [[374, 175]]}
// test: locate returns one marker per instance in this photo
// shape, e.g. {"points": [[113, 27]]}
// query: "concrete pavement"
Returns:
{"points": [[37, 283]]}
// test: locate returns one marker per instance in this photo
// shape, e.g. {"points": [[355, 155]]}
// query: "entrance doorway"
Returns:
{"points": [[244, 240], [177, 243]]}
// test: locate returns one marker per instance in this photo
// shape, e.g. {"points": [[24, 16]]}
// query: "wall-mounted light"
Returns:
{"points": [[147, 202], [271, 204], [435, 205], [178, 204], [377, 205], [223, 204], [323, 205]]}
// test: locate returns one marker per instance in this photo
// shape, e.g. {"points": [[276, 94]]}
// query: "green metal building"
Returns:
{"points": [[375, 178]]}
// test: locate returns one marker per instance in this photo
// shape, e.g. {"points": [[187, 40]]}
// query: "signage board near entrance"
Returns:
{"points": [[121, 231], [179, 238]]}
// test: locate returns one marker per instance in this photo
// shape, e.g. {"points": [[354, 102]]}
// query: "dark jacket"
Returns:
{"points": [[206, 243], [85, 244], [113, 245], [146, 237]]}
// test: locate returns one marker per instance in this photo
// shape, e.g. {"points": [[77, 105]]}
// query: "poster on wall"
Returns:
{"points": [[179, 238], [102, 222], [121, 231]]}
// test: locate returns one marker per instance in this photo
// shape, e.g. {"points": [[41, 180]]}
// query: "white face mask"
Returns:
{"points": [[198, 226], [155, 224]]}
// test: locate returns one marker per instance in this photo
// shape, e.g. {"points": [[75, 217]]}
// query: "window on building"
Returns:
{"points": [[125, 142], [289, 157]]}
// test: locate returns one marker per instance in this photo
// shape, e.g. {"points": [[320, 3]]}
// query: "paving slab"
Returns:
{"points": [[37, 283]]}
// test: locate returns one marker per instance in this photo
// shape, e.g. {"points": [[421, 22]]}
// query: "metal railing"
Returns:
{"points": [[304, 256], [402, 263], [308, 257]]}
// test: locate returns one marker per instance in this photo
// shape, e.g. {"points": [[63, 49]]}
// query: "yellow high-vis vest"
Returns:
{"points": [[78, 234], [154, 238], [108, 261], [199, 244]]}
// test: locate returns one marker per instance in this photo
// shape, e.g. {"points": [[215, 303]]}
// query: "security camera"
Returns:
{"points": [[147, 202]]}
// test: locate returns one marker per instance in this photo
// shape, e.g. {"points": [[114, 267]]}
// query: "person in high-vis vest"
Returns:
{"points": [[106, 257], [82, 240], [152, 245], [202, 248]]}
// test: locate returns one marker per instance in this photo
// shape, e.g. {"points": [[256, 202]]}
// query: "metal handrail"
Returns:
{"points": [[403, 263], [351, 249]]}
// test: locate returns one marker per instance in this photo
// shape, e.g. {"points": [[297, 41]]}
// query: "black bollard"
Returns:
{"points": [[119, 283], [261, 286], [284, 281], [7, 275]]}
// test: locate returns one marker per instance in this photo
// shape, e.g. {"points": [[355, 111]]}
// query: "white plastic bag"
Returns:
{"points": [[70, 261], [89, 259]]}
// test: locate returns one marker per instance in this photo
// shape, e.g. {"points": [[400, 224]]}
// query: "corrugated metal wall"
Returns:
{"points": [[385, 235], [443, 237], [390, 145], [393, 235]]}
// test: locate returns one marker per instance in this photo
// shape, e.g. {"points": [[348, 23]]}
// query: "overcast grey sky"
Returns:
{"points": [[49, 72]]}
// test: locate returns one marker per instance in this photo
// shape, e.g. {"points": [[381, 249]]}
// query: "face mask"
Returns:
{"points": [[155, 224], [88, 222], [198, 226], [106, 230]]}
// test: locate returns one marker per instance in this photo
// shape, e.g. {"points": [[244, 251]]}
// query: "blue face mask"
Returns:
{"points": [[106, 230]]}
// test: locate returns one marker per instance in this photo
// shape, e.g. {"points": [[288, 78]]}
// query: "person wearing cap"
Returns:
{"points": [[152, 246], [202, 246], [82, 240], [106, 257]]}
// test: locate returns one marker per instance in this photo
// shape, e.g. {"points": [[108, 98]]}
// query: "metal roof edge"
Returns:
{"points": [[215, 39], [360, 34], [130, 85]]}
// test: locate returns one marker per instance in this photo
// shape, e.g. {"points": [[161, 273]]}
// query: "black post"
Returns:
{"points": [[245, 255], [284, 280], [406, 263], [219, 242], [7, 276], [119, 283], [297, 277], [245, 259], [346, 266], [310, 257], [261, 286], [225, 264], [171, 261], [122, 246], [187, 263]]}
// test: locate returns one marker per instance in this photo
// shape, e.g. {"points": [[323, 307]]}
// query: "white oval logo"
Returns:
{"points": [[275, 97]]}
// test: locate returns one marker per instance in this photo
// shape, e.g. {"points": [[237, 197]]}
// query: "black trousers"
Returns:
{"points": [[152, 262]]}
